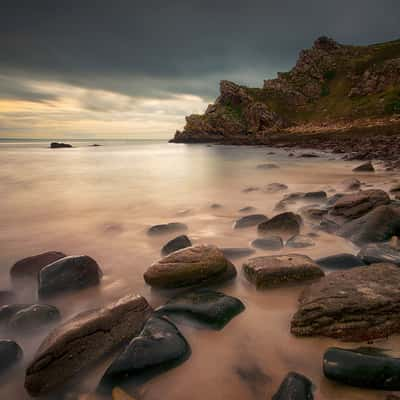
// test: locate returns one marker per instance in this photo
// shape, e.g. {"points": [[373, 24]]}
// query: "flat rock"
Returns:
{"points": [[77, 343], [69, 273], [180, 242], [364, 367], [163, 229], [294, 387], [247, 209], [268, 243], [30, 266], [340, 261], [270, 271], [366, 167], [236, 252], [379, 252], [159, 347], [300, 241], [10, 354], [213, 309], [60, 145], [275, 187], [286, 223], [362, 303], [267, 166], [315, 196], [249, 221], [196, 265], [379, 225]]}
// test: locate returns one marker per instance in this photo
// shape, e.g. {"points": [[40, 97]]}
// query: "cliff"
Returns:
{"points": [[331, 87]]}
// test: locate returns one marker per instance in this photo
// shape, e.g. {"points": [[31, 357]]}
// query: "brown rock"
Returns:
{"points": [[286, 223]]}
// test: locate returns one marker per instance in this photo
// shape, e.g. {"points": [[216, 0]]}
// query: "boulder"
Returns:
{"points": [[30, 266], [196, 265], [358, 304], [236, 252], [80, 341], [285, 224], [352, 206], [300, 241], [340, 261], [294, 387], [379, 252], [249, 220], [366, 167], [268, 243], [270, 271], [163, 229], [69, 273], [379, 225], [365, 367], [180, 242], [159, 347], [10, 354], [210, 308]]}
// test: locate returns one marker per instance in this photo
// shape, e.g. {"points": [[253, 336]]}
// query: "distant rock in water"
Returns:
{"points": [[59, 145], [300, 241], [247, 209], [180, 242], [163, 229], [366, 167]]}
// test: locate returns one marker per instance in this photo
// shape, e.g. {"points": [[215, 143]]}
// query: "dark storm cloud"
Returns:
{"points": [[156, 48]]}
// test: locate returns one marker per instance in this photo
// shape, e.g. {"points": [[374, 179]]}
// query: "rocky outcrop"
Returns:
{"points": [[359, 304]]}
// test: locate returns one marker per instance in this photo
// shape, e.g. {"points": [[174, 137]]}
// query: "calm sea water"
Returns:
{"points": [[99, 201]]}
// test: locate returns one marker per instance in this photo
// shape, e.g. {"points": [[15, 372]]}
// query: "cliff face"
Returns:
{"points": [[331, 84]]}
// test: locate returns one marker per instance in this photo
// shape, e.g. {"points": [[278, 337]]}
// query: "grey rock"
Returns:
{"points": [[294, 387], [286, 223], [300, 241], [249, 221], [10, 354], [268, 243], [379, 252], [340, 261], [163, 229], [180, 242]]}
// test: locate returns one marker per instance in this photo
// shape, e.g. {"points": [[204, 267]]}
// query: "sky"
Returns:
{"points": [[134, 69]]}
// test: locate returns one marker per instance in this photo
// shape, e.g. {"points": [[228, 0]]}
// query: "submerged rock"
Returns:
{"points": [[196, 265], [69, 273], [286, 223], [208, 307], [249, 220], [294, 387], [30, 266], [247, 209], [300, 241], [159, 347], [379, 252], [163, 229], [364, 367], [10, 354], [82, 340], [267, 166], [268, 243], [180, 242], [270, 271], [275, 187], [359, 304], [236, 252], [340, 261], [366, 167]]}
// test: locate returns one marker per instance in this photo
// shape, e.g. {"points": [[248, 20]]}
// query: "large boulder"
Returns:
{"points": [[285, 224], [30, 266], [379, 252], [364, 367], [80, 341], [340, 261], [270, 271], [358, 304], [294, 387], [10, 354], [180, 242], [379, 225], [158, 347], [196, 265], [69, 273], [352, 206], [213, 309], [249, 220]]}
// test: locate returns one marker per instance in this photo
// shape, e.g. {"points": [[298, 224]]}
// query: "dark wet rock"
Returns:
{"points": [[351, 184], [379, 225], [300, 241], [69, 273], [250, 189], [196, 265], [270, 271], [30, 266], [294, 387], [340, 261], [366, 167], [249, 220], [237, 252], [247, 209], [315, 196], [358, 304], [208, 307], [267, 166], [27, 317], [180, 242], [84, 339], [308, 155], [352, 206], [286, 223], [163, 229], [10, 354], [95, 145], [364, 367], [159, 347], [6, 297], [379, 252], [268, 243], [59, 145], [215, 206], [275, 187]]}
